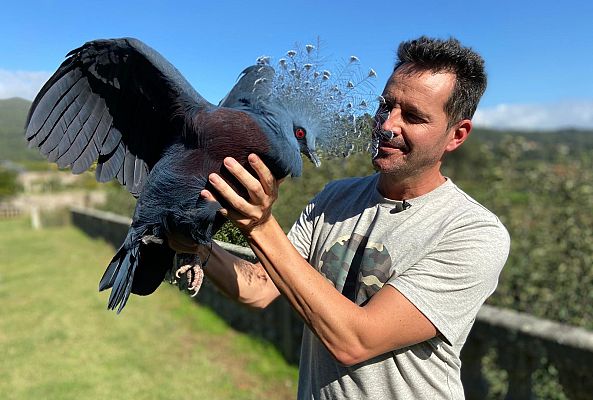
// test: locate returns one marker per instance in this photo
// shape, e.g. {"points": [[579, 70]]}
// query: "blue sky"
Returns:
{"points": [[539, 54]]}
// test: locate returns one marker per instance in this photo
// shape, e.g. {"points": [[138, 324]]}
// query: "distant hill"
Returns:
{"points": [[544, 145], [13, 147]]}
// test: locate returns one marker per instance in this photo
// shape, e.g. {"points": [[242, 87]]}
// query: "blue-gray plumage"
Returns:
{"points": [[122, 105]]}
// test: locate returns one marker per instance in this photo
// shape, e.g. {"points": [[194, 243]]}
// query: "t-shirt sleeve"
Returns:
{"points": [[450, 284], [301, 232]]}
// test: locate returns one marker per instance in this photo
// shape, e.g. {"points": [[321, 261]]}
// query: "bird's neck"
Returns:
{"points": [[284, 157]]}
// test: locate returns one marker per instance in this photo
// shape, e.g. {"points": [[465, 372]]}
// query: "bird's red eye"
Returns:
{"points": [[299, 133]]}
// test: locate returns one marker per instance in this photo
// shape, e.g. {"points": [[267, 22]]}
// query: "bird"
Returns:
{"points": [[120, 107]]}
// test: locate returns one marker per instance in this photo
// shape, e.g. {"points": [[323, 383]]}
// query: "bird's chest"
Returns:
{"points": [[233, 133]]}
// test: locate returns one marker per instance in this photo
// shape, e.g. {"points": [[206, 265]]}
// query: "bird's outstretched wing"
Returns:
{"points": [[111, 101]]}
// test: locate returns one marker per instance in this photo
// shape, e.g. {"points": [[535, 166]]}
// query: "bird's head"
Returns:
{"points": [[301, 126], [324, 105], [308, 109]]}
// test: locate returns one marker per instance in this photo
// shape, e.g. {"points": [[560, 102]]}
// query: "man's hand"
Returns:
{"points": [[246, 214]]}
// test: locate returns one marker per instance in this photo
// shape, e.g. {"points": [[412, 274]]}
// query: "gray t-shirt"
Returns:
{"points": [[443, 251]]}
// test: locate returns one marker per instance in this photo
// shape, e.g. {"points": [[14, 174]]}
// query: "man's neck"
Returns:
{"points": [[394, 188]]}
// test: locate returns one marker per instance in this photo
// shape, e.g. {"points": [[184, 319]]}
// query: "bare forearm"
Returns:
{"points": [[240, 279], [352, 334], [332, 317]]}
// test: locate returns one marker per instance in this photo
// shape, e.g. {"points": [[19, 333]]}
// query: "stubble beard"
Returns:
{"points": [[404, 167]]}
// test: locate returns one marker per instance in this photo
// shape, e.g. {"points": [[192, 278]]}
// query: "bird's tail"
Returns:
{"points": [[138, 267], [119, 275]]}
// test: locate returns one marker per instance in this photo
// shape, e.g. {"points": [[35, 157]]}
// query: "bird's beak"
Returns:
{"points": [[311, 155]]}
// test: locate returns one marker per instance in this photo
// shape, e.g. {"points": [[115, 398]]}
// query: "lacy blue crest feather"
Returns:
{"points": [[333, 101]]}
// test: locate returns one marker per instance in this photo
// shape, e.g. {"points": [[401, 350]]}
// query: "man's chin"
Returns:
{"points": [[384, 165]]}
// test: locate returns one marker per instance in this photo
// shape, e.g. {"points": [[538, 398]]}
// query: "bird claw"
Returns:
{"points": [[191, 268], [196, 283], [182, 270]]}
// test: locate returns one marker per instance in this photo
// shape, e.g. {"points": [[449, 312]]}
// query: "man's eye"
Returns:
{"points": [[413, 118]]}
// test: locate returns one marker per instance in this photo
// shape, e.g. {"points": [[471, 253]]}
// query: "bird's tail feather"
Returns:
{"points": [[119, 275]]}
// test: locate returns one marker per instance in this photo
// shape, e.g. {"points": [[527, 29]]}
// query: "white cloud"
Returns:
{"points": [[564, 114], [23, 84]]}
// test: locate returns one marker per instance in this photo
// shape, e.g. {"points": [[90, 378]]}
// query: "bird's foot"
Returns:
{"points": [[189, 273], [194, 275]]}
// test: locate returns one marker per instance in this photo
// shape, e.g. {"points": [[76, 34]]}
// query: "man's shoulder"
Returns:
{"points": [[466, 205], [463, 211], [348, 185]]}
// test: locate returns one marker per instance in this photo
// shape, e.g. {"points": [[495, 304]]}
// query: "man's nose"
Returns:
{"points": [[392, 121]]}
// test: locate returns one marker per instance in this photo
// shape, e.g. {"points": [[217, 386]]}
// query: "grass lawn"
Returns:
{"points": [[58, 341]]}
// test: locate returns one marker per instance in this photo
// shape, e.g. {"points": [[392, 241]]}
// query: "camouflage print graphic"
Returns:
{"points": [[368, 263]]}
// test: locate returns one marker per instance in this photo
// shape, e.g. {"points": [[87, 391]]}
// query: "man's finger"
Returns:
{"points": [[208, 196], [228, 193], [267, 180], [251, 183]]}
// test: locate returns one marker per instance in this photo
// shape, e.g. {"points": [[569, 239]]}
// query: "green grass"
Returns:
{"points": [[58, 341]]}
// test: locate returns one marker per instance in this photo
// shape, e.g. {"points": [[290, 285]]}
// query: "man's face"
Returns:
{"points": [[414, 112]]}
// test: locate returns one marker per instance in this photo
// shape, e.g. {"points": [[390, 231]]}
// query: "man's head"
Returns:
{"points": [[437, 55], [426, 109]]}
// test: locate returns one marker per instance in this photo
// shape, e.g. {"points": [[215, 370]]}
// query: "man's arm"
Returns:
{"points": [[237, 278], [351, 333]]}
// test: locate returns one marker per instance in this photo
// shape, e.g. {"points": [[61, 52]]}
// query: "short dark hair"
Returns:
{"points": [[437, 55]]}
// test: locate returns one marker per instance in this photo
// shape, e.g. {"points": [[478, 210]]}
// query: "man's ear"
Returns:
{"points": [[461, 132]]}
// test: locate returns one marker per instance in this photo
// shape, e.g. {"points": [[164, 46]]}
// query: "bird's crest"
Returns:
{"points": [[339, 101]]}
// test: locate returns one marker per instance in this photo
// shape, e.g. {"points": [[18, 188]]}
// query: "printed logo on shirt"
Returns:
{"points": [[356, 267]]}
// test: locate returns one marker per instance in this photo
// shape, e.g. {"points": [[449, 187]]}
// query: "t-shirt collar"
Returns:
{"points": [[404, 204]]}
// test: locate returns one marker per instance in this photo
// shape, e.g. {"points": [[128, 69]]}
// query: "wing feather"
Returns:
{"points": [[48, 98], [55, 117], [113, 101], [86, 119], [108, 166], [70, 119]]}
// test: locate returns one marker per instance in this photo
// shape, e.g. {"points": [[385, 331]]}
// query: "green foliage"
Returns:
{"points": [[231, 234], [9, 185], [546, 206]]}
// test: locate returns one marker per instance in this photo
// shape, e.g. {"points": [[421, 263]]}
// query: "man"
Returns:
{"points": [[387, 271]]}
